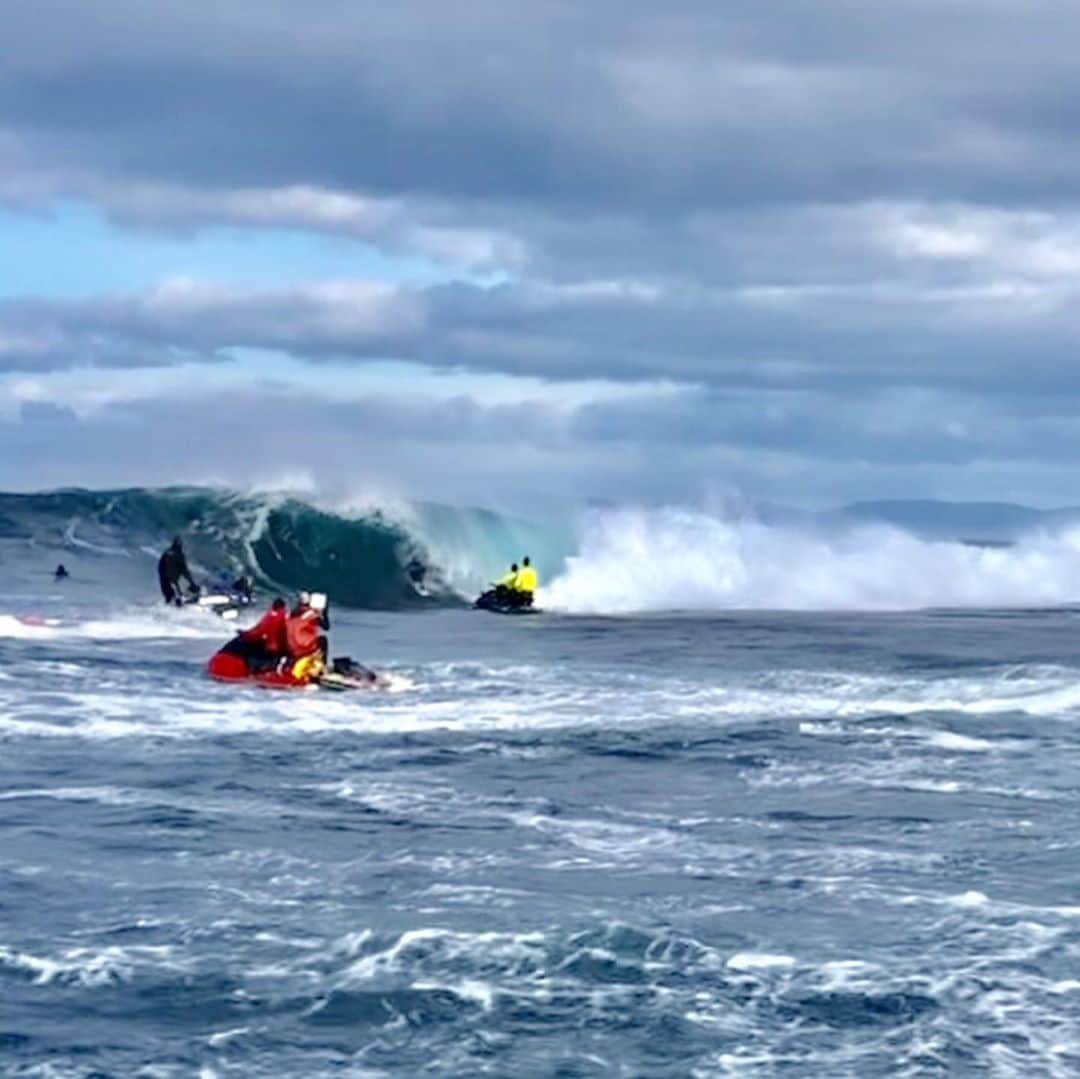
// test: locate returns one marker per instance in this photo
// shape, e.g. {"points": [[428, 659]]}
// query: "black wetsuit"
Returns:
{"points": [[171, 567], [243, 588]]}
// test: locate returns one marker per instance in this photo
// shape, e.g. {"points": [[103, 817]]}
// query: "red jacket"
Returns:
{"points": [[302, 632], [269, 632]]}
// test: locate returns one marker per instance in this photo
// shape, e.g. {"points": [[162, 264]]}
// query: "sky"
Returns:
{"points": [[525, 252]]}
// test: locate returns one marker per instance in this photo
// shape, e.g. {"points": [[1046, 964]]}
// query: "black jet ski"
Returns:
{"points": [[346, 673], [504, 601]]}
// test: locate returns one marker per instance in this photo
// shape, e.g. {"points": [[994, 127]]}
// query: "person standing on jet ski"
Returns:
{"points": [[171, 567]]}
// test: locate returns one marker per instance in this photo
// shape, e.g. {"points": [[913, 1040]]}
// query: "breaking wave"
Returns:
{"points": [[399, 555], [367, 556], [632, 560]]}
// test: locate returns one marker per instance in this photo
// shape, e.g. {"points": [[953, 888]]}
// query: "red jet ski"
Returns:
{"points": [[343, 673]]}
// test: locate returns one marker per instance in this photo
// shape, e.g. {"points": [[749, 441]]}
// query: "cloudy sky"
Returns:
{"points": [[520, 251]]}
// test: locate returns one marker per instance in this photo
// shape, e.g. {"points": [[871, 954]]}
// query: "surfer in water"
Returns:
{"points": [[244, 588], [61, 572], [172, 565]]}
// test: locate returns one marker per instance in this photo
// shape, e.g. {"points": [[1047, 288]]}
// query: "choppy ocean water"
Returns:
{"points": [[753, 844]]}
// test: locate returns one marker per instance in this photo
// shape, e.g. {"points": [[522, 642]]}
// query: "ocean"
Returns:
{"points": [[640, 843]]}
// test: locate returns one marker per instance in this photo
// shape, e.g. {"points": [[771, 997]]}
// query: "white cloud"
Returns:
{"points": [[293, 206]]}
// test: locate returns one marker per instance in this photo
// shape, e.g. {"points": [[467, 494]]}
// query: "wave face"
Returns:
{"points": [[673, 559], [376, 557], [386, 555]]}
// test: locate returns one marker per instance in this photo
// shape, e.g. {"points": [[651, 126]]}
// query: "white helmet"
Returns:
{"points": [[305, 598]]}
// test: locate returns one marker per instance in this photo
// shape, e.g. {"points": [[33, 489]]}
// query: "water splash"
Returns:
{"points": [[637, 560]]}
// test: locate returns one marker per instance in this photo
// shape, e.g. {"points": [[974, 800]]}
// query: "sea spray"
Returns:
{"points": [[636, 560]]}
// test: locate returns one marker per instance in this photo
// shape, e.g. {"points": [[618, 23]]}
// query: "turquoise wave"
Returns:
{"points": [[412, 555]]}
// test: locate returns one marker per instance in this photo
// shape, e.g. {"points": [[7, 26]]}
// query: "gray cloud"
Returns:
{"points": [[849, 232], [598, 106], [32, 340], [674, 448], [842, 338]]}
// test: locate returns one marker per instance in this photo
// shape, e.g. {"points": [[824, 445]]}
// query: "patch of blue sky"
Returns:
{"points": [[72, 251]]}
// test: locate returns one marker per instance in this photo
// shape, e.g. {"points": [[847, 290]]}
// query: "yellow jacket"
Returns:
{"points": [[526, 579], [509, 580], [308, 668]]}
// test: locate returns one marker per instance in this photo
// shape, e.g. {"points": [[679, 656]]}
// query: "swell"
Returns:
{"points": [[613, 560], [414, 556]]}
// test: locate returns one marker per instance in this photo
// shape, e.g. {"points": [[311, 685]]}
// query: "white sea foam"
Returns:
{"points": [[760, 961], [959, 743], [223, 1037], [633, 560], [478, 992], [845, 705], [87, 966], [130, 624], [426, 948], [110, 796], [849, 974]]}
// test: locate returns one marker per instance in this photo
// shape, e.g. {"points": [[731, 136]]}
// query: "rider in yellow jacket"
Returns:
{"points": [[505, 585], [526, 581]]}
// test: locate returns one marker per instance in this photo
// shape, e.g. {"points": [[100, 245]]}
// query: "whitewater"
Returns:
{"points": [[748, 799]]}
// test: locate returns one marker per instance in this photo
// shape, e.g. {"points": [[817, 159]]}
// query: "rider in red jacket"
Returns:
{"points": [[269, 631], [302, 629], [264, 645]]}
